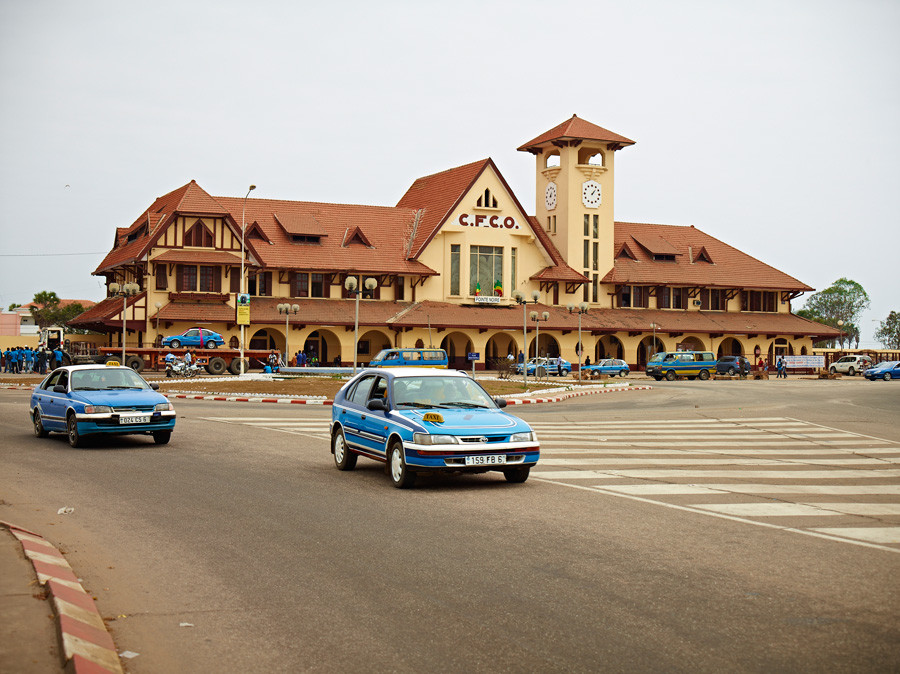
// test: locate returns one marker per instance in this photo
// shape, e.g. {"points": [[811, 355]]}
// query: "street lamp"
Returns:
{"points": [[545, 316], [520, 299], [158, 307], [582, 309], [124, 291], [841, 327], [352, 286], [653, 325], [243, 289], [287, 310]]}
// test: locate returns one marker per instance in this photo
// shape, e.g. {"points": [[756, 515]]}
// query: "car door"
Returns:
{"points": [[191, 338], [53, 404], [374, 425], [352, 413]]}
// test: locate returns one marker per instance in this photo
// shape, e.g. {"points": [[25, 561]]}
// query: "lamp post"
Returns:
{"points": [[520, 299], [352, 286], [287, 310], [124, 291], [158, 307], [243, 289], [653, 325], [582, 309], [545, 316], [841, 328]]}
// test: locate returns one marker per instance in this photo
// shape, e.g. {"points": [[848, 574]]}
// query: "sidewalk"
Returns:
{"points": [[48, 622]]}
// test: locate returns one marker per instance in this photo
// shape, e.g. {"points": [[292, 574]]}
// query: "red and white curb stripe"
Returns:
{"points": [[306, 401], [87, 647]]}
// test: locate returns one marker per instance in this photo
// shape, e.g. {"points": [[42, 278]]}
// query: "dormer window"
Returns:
{"points": [[663, 257], [306, 238]]}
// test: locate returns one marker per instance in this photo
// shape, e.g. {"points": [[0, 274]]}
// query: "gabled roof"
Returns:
{"points": [[729, 267], [187, 199], [436, 196], [575, 129], [558, 270]]}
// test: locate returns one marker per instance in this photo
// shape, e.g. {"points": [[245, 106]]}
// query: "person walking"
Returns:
{"points": [[29, 360]]}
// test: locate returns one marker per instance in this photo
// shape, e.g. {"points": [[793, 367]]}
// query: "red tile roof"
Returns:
{"points": [[99, 316], [575, 129], [730, 268], [199, 257], [436, 196]]}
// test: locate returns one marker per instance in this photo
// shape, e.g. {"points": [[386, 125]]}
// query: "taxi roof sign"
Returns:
{"points": [[113, 363], [433, 417]]}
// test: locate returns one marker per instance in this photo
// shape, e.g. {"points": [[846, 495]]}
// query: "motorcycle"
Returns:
{"points": [[178, 368]]}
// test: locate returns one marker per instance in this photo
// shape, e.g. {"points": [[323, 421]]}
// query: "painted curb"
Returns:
{"points": [[87, 647]]}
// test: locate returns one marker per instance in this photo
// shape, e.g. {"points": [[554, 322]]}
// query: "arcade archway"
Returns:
{"points": [[609, 346], [264, 340], [646, 349], [730, 347], [458, 346]]}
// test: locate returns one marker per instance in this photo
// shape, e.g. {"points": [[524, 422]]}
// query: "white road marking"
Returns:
{"points": [[883, 535]]}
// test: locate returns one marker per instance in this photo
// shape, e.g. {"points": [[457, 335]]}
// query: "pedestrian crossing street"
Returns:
{"points": [[775, 472]]}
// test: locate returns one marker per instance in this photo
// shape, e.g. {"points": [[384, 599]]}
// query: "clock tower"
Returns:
{"points": [[574, 194]]}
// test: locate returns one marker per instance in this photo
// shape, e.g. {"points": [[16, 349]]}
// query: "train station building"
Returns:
{"points": [[458, 263]]}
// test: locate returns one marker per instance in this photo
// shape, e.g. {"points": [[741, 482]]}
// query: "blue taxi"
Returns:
{"points": [[424, 420], [85, 400]]}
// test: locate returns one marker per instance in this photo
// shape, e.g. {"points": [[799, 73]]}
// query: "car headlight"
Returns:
{"points": [[97, 409], [522, 437], [163, 407], [428, 439]]}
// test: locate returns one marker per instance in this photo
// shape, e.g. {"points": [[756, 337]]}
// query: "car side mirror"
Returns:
{"points": [[377, 404], [501, 402], [154, 386], [59, 388]]}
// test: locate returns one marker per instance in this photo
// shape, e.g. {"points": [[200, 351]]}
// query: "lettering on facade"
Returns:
{"points": [[495, 221], [486, 299]]}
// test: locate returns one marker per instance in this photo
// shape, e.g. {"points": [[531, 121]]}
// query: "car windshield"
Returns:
{"points": [[657, 357], [102, 379], [440, 392]]}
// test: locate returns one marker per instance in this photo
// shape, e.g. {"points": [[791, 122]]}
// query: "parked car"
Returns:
{"points": [[425, 420], [610, 366], [850, 365], [84, 400], [410, 358], [890, 369], [199, 337], [732, 365], [565, 367]]}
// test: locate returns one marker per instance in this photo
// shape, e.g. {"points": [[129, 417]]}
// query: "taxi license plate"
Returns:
{"points": [[487, 460], [135, 419]]}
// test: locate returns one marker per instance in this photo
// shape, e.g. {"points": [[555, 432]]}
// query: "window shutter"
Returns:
{"points": [[161, 278], [179, 277], [217, 279], [235, 277]]}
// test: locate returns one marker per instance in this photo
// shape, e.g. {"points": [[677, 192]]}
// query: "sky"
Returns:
{"points": [[773, 126]]}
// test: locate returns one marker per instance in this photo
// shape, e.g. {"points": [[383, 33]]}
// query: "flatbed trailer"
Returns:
{"points": [[215, 361]]}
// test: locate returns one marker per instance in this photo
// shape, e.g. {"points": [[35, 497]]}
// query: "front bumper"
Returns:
{"points": [[453, 457], [111, 422]]}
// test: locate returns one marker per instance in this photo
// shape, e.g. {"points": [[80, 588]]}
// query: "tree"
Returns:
{"points": [[47, 310], [888, 332], [13, 306], [844, 301]]}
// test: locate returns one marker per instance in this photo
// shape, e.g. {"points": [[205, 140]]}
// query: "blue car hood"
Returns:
{"points": [[466, 421], [120, 398]]}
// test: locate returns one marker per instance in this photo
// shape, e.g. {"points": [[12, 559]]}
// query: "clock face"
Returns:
{"points": [[590, 193], [550, 196]]}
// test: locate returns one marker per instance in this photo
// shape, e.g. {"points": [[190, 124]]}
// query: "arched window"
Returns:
{"points": [[591, 156], [552, 159], [486, 200]]}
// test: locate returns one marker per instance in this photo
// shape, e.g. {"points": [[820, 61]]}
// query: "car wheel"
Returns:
{"points": [[516, 475], [136, 363], [833, 371], [344, 459], [704, 375], [851, 372], [730, 371], [658, 378], [174, 343], [886, 376], [670, 375], [623, 373], [212, 345], [401, 476], [216, 366], [72, 431], [162, 437], [565, 373], [39, 430]]}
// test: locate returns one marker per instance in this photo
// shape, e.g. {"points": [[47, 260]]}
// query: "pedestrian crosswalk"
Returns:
{"points": [[311, 427], [775, 471]]}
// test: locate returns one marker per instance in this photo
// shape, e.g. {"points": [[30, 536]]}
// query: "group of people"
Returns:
{"points": [[25, 360]]}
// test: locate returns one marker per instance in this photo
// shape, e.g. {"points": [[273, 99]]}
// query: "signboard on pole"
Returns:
{"points": [[242, 309]]}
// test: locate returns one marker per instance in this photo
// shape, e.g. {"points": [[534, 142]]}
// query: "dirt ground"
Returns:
{"points": [[305, 385]]}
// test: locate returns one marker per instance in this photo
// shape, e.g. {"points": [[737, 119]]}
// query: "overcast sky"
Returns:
{"points": [[773, 126]]}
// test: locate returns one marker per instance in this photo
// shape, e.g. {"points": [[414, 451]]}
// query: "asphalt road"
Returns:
{"points": [[239, 547]]}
